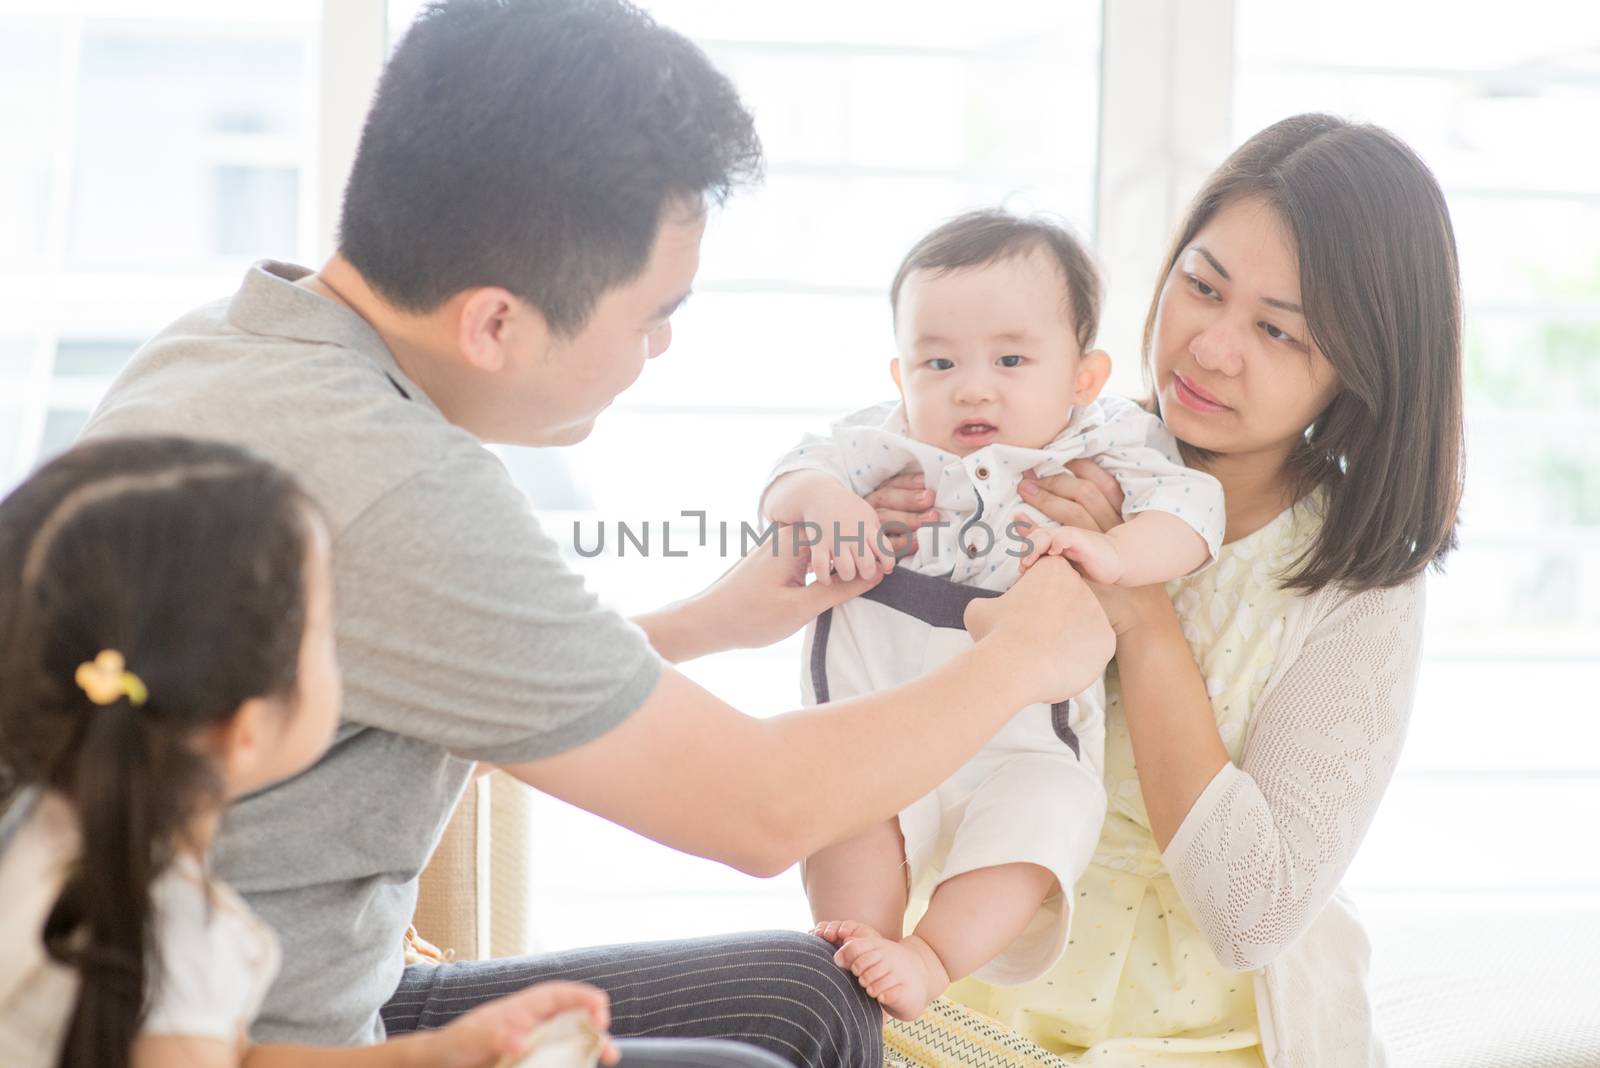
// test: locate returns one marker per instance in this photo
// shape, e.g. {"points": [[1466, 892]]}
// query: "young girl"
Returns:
{"points": [[166, 643]]}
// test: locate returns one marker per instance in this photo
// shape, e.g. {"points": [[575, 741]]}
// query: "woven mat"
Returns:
{"points": [[949, 1035]]}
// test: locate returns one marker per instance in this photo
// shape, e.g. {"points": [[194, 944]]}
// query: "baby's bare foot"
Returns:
{"points": [[903, 976]]}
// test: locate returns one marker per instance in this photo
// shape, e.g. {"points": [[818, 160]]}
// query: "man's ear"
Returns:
{"points": [[1094, 367], [492, 323]]}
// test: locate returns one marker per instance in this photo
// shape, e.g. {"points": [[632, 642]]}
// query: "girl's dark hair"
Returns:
{"points": [[1382, 295], [187, 558]]}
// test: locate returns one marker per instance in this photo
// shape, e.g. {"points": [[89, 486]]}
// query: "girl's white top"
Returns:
{"points": [[212, 967]]}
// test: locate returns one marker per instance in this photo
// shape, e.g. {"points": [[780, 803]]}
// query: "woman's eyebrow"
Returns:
{"points": [[1285, 305], [1219, 268]]}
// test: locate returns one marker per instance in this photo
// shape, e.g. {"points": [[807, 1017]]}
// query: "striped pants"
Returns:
{"points": [[777, 990]]}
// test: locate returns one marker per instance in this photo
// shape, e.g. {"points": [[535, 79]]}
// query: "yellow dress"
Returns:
{"points": [[1138, 984]]}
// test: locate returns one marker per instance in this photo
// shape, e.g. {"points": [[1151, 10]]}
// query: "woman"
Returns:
{"points": [[1304, 347]]}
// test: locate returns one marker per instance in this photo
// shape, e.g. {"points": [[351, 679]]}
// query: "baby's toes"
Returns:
{"points": [[849, 929], [872, 974], [858, 957], [885, 989]]}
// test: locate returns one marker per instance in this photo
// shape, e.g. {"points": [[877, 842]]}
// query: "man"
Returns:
{"points": [[523, 217]]}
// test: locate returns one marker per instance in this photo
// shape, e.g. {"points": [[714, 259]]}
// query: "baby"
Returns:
{"points": [[994, 321]]}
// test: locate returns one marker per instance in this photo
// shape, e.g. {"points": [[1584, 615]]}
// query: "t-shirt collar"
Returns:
{"points": [[271, 304]]}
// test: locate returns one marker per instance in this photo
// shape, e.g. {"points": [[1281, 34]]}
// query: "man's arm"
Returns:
{"points": [[762, 599], [693, 773]]}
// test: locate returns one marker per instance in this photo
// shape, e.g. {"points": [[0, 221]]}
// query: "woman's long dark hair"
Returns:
{"points": [[1382, 294], [187, 558]]}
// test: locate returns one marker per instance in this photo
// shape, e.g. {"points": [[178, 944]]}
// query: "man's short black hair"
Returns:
{"points": [[535, 145]]}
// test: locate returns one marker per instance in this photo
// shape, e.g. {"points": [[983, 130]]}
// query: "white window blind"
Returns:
{"points": [[1503, 759]]}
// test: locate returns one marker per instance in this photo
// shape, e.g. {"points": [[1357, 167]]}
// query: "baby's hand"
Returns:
{"points": [[849, 543], [1094, 554], [498, 1032]]}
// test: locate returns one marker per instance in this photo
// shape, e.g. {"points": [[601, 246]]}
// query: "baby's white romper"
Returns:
{"points": [[1033, 794]]}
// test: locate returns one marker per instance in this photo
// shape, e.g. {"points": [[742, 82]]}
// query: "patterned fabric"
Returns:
{"points": [[1139, 983], [976, 494], [950, 1034], [778, 991]]}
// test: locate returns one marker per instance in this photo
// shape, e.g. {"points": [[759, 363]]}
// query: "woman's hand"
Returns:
{"points": [[903, 504], [501, 1028], [1090, 498]]}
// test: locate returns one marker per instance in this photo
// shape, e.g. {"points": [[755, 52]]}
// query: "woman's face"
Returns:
{"points": [[1235, 370]]}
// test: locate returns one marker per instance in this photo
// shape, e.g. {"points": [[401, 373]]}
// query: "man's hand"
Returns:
{"points": [[1032, 626], [761, 599]]}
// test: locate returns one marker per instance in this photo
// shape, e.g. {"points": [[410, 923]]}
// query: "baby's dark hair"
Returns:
{"points": [[187, 558], [980, 238]]}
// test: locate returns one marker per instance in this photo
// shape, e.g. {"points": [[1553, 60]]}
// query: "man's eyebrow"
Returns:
{"points": [[672, 305], [1223, 271]]}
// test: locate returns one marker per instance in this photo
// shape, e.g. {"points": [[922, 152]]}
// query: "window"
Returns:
{"points": [[875, 129], [160, 152], [1502, 740]]}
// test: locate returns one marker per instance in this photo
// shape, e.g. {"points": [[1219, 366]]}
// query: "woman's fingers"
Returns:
{"points": [[901, 541], [1099, 492], [905, 493], [1067, 512], [1077, 500], [1098, 476], [890, 497], [844, 566]]}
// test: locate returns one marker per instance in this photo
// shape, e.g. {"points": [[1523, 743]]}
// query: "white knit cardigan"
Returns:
{"points": [[1259, 858]]}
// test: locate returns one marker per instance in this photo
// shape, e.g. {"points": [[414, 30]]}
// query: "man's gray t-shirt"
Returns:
{"points": [[462, 634]]}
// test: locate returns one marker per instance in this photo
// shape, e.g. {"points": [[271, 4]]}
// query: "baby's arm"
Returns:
{"points": [[1174, 515], [843, 529], [1151, 547], [792, 495], [1157, 547]]}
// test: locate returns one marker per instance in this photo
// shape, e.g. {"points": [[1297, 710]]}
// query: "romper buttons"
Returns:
{"points": [[972, 550], [981, 473]]}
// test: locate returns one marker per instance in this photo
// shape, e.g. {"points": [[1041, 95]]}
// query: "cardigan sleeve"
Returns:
{"points": [[1268, 841]]}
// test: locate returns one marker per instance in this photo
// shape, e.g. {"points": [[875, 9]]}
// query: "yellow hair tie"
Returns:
{"points": [[107, 679]]}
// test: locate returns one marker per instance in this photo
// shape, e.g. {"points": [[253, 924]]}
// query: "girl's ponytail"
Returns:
{"points": [[185, 558], [101, 924]]}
